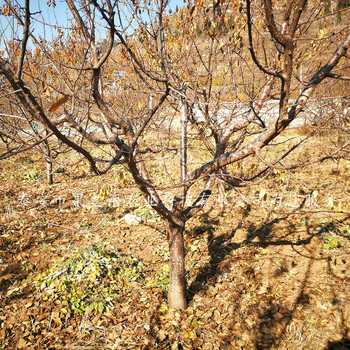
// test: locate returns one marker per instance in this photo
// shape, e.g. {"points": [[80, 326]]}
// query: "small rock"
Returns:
{"points": [[131, 219]]}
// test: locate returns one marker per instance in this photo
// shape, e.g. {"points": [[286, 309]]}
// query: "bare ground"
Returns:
{"points": [[257, 278]]}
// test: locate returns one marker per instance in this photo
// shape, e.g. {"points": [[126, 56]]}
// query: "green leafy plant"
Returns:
{"points": [[146, 213], [31, 176], [333, 233], [91, 279], [161, 279], [60, 170], [345, 231], [340, 228], [331, 243], [25, 160]]}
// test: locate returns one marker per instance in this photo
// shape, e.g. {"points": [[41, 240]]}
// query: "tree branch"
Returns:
{"points": [[271, 24], [37, 112], [23, 149], [274, 130], [24, 40], [251, 48]]}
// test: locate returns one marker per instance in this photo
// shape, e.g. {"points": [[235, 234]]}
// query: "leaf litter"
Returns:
{"points": [[255, 281]]}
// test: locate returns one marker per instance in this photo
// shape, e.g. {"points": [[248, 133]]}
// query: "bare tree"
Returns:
{"points": [[219, 76]]}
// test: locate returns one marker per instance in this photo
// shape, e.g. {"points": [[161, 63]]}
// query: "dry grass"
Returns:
{"points": [[265, 272]]}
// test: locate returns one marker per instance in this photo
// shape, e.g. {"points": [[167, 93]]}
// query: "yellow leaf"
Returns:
{"points": [[6, 10], [249, 322], [193, 10], [277, 61], [252, 169], [312, 321], [190, 335], [346, 122], [262, 195], [102, 193], [163, 308], [340, 207], [320, 34]]}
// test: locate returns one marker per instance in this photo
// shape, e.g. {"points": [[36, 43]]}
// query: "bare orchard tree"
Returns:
{"points": [[218, 66], [19, 130]]}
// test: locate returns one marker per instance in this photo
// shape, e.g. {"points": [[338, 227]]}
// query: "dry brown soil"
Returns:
{"points": [[257, 279]]}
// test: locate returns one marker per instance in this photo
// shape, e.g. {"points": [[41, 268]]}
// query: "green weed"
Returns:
{"points": [[161, 279], [31, 175], [333, 234], [91, 279]]}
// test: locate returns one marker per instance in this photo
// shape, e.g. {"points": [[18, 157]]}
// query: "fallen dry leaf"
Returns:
{"points": [[56, 317], [149, 340], [21, 344], [58, 103]]}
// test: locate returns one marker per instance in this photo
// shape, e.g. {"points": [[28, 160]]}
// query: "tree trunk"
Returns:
{"points": [[49, 170], [49, 166], [177, 284]]}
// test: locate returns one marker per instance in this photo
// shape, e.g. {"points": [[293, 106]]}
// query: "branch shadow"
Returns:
{"points": [[16, 269], [267, 339], [343, 344], [214, 243], [276, 313], [218, 248]]}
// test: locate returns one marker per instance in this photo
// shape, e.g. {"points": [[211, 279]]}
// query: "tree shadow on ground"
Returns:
{"points": [[277, 314], [268, 319], [16, 263], [220, 246], [12, 272], [267, 339], [216, 255], [343, 344]]}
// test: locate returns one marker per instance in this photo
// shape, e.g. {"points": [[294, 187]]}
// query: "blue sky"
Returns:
{"points": [[54, 15]]}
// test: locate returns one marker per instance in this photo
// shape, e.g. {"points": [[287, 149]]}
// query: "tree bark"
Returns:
{"points": [[177, 284], [49, 170]]}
